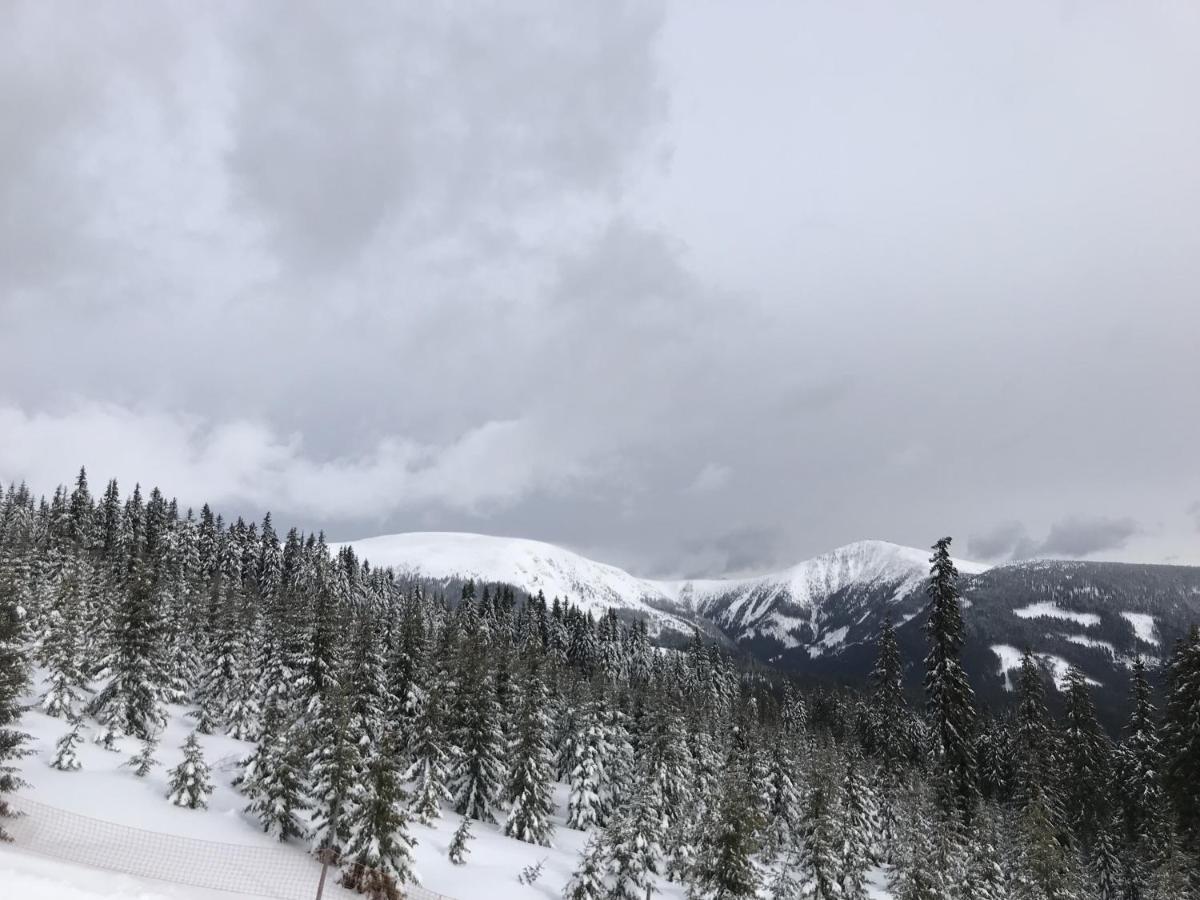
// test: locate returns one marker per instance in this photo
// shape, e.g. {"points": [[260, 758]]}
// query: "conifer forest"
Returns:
{"points": [[376, 704]]}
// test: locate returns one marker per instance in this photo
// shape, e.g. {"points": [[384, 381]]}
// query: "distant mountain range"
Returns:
{"points": [[821, 617]]}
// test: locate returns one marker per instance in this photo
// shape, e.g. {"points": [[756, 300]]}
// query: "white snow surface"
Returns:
{"points": [[1048, 610], [1143, 626], [107, 790], [1010, 661], [1085, 641]]}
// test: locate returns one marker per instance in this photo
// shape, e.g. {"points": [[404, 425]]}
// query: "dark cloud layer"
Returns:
{"points": [[690, 290], [1074, 537]]}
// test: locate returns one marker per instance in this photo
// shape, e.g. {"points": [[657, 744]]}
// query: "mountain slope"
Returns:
{"points": [[448, 558], [821, 617]]}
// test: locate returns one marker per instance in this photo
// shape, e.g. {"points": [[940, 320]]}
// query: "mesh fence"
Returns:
{"points": [[275, 872]]}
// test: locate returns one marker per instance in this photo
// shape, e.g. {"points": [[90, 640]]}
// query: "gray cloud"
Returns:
{"points": [[1079, 536], [1072, 537], [1194, 512], [544, 270], [1009, 540]]}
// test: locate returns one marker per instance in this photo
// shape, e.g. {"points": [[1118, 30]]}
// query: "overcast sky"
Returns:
{"points": [[693, 288]]}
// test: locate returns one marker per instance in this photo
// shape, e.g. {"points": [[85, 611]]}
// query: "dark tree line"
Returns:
{"points": [[372, 703]]}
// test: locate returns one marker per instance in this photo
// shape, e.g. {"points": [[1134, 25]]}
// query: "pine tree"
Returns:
{"points": [[274, 782], [821, 862], [951, 701], [585, 806], [1087, 762], [143, 761], [724, 866], [1181, 737], [458, 844], [784, 799], [784, 884], [477, 776], [378, 856], [857, 826], [334, 765], [1033, 755], [1138, 768], [1046, 867], [587, 881], [633, 841], [189, 781], [64, 755], [1105, 863], [430, 756], [530, 775], [133, 698], [13, 675]]}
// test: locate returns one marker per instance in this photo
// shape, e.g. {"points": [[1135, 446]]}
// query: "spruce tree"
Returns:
{"points": [[13, 676], [633, 839], [724, 866], [64, 751], [458, 843], [587, 882], [531, 773], [378, 855], [1181, 737], [190, 783], [334, 764], [857, 827], [1033, 750], [430, 755], [274, 782], [1139, 766], [1087, 762], [821, 862], [951, 702], [143, 762], [477, 776]]}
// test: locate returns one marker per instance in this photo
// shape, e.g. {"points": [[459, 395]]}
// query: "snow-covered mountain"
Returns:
{"points": [[822, 615]]}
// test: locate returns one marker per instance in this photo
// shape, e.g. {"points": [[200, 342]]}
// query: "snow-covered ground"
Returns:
{"points": [[1010, 661], [1048, 610], [107, 790], [1143, 626]]}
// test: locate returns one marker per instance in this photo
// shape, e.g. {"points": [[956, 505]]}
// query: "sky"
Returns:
{"points": [[694, 288]]}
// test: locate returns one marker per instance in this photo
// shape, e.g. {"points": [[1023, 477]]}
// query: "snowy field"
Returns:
{"points": [[107, 790]]}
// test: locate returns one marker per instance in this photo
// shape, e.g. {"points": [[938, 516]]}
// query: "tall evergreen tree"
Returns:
{"points": [[13, 677], [951, 701], [531, 771], [1087, 762], [379, 851]]}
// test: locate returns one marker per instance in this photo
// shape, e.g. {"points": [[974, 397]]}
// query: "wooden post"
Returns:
{"points": [[324, 869]]}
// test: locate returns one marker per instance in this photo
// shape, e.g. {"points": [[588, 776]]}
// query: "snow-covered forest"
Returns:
{"points": [[374, 706]]}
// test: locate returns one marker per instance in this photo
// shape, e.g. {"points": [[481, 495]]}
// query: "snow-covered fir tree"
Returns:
{"points": [[65, 759], [950, 699], [377, 860], [531, 768], [190, 782], [459, 848], [144, 761]]}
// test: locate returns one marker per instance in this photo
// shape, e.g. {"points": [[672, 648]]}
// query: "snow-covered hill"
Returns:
{"points": [[822, 615], [805, 606]]}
